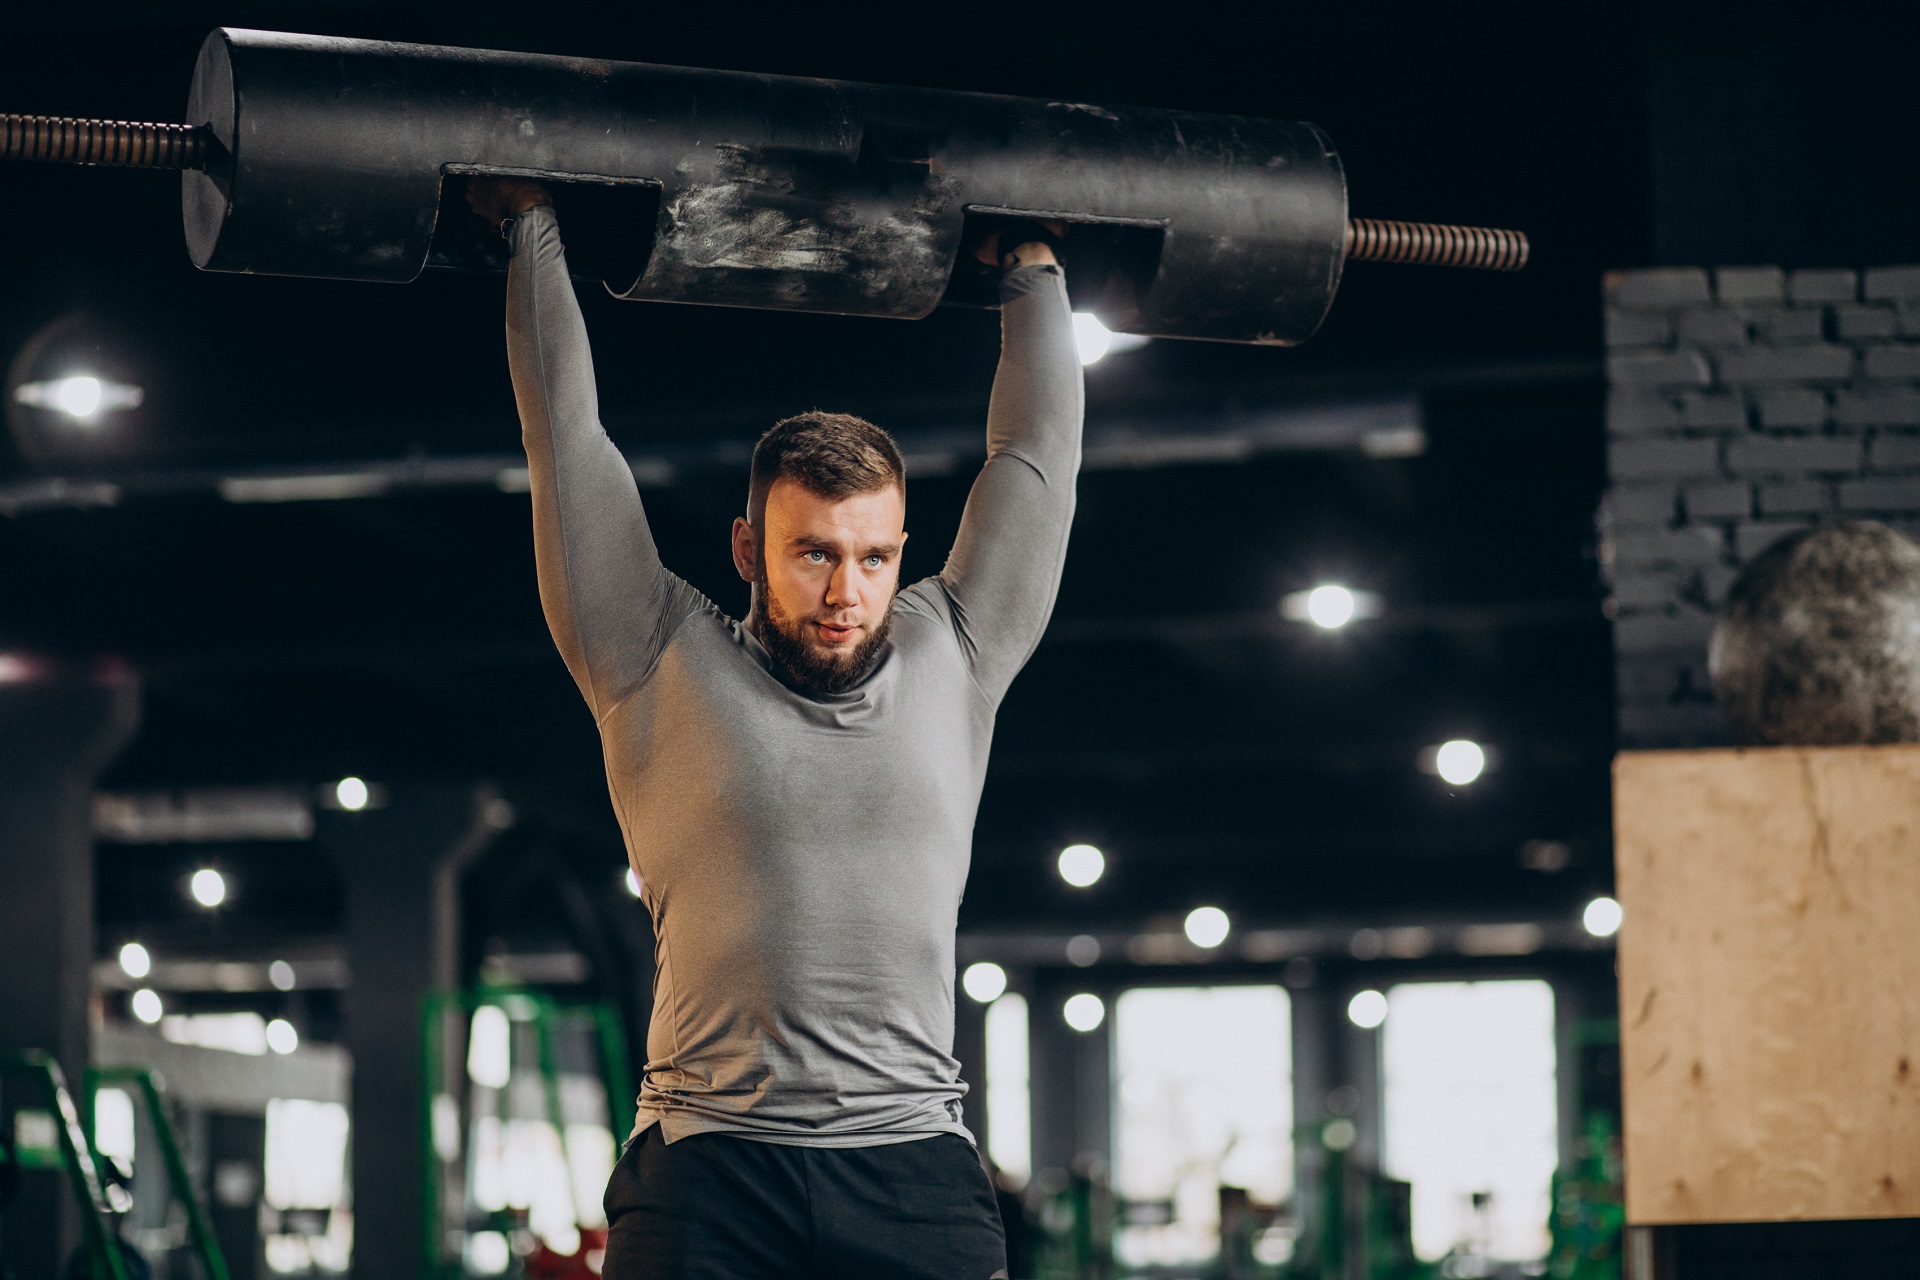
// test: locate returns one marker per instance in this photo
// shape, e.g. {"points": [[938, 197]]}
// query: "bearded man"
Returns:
{"points": [[798, 791]]}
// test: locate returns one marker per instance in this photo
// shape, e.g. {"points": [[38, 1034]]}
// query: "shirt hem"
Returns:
{"points": [[674, 1128]]}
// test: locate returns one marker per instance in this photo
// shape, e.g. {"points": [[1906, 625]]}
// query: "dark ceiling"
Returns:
{"points": [[1214, 751]]}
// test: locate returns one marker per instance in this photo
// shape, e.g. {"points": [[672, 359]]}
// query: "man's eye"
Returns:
{"points": [[874, 562], [816, 557]]}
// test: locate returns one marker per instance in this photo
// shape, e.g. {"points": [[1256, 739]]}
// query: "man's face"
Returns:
{"points": [[826, 570]]}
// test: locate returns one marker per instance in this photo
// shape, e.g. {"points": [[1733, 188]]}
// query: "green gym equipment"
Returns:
{"points": [[104, 1254]]}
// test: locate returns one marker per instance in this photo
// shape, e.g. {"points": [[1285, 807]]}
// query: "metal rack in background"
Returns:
{"points": [[213, 1262], [73, 1154], [76, 1156], [545, 1014]]}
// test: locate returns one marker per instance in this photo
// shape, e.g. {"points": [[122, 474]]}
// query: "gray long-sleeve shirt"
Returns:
{"points": [[802, 855]]}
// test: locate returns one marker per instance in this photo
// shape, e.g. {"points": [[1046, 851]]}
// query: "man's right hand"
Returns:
{"points": [[497, 199]]}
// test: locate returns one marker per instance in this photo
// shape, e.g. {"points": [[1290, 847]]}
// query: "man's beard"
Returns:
{"points": [[804, 663]]}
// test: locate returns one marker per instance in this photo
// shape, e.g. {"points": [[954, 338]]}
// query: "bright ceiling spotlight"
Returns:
{"points": [[1096, 342], [81, 397], [1329, 606], [632, 881], [1602, 917], [1367, 1009], [1092, 338], [1084, 1012], [281, 1036], [209, 887], [66, 388], [352, 793], [1459, 761], [1081, 865], [134, 960], [147, 1006], [281, 975], [1207, 926], [984, 981]]}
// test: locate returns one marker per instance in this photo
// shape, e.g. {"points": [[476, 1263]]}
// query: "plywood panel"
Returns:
{"points": [[1770, 982]]}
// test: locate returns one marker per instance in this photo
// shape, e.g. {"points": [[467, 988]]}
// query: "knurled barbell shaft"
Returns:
{"points": [[1435, 244], [124, 143]]}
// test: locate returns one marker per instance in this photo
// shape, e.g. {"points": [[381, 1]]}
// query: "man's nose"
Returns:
{"points": [[843, 588]]}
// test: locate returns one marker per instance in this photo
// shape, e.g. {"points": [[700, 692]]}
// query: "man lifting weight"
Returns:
{"points": [[798, 791]]}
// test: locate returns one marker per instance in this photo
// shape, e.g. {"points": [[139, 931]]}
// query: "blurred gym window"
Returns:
{"points": [[113, 1126], [306, 1154], [1471, 1114], [1009, 1102], [234, 1032], [1204, 1100]]}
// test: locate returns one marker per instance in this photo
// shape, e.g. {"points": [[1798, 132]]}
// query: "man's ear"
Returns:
{"points": [[745, 551]]}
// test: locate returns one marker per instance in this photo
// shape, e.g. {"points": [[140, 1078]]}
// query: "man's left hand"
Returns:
{"points": [[1033, 253]]}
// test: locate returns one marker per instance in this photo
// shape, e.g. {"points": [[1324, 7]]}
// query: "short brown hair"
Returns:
{"points": [[836, 455]]}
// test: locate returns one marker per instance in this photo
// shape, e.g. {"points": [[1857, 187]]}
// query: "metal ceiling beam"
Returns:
{"points": [[1377, 428]]}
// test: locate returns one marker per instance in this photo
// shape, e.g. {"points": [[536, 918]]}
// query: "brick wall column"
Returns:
{"points": [[1743, 403]]}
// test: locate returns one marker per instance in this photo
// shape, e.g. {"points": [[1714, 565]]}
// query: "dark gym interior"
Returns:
{"points": [[309, 880]]}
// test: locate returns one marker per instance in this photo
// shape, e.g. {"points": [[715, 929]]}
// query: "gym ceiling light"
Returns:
{"points": [[1082, 865], [82, 397], [1458, 762], [1329, 606]]}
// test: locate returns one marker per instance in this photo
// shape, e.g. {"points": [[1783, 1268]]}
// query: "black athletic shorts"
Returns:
{"points": [[717, 1207]]}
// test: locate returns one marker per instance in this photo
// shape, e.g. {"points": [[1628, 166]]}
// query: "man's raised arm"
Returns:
{"points": [[1006, 562], [605, 593]]}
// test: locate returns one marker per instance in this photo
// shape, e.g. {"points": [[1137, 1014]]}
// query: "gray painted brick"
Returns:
{"points": [[1749, 540], [1795, 498], [1628, 413], [1880, 495], [1650, 681], [1892, 284], [1713, 327], [1638, 328], [1749, 284], [1793, 407], [1648, 459], [1855, 321], [1715, 580], [1705, 409], [1724, 500], [1688, 724], [1652, 288], [1784, 325], [1647, 591], [1793, 455], [1662, 368], [1878, 407], [1823, 284], [1643, 548], [1811, 363], [1909, 319], [1643, 506], [1890, 451], [1656, 633], [1898, 360]]}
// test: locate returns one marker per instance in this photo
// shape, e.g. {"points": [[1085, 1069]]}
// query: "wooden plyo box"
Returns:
{"points": [[1770, 982]]}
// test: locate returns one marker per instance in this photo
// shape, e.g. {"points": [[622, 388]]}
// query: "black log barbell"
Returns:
{"points": [[347, 159]]}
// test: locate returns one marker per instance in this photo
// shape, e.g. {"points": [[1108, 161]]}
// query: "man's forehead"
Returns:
{"points": [[796, 512]]}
